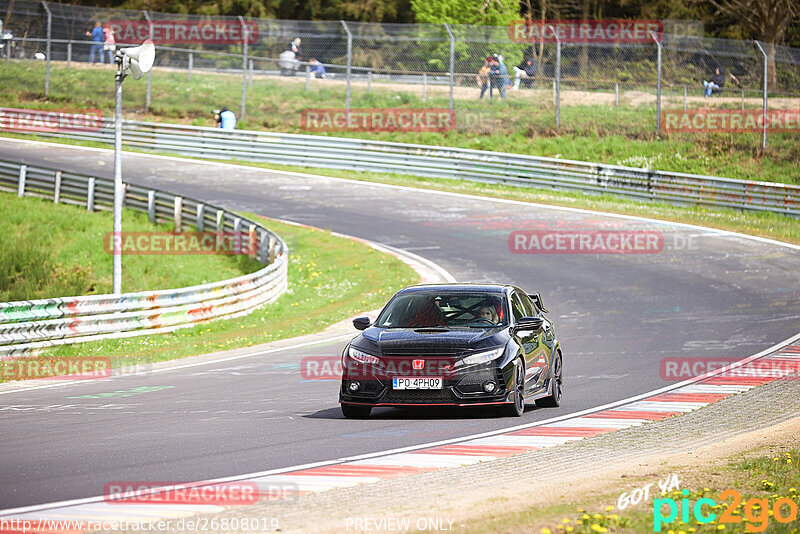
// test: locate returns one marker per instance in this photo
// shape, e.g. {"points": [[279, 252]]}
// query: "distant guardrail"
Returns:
{"points": [[444, 162], [38, 324]]}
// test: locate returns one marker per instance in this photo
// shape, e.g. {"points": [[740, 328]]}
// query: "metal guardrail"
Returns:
{"points": [[444, 162], [37, 324]]}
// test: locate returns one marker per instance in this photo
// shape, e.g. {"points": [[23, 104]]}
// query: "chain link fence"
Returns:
{"points": [[568, 87]]}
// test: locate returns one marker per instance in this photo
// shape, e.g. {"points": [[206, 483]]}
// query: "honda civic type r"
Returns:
{"points": [[454, 345]]}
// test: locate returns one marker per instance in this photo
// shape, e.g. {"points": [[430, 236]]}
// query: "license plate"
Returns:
{"points": [[399, 382]]}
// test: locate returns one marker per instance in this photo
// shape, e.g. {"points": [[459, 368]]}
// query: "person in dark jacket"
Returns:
{"points": [[496, 80], [525, 72], [717, 82]]}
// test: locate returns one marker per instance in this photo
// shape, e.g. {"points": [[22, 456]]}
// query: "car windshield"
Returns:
{"points": [[449, 309]]}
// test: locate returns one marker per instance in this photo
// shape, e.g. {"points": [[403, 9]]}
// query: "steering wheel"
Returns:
{"points": [[484, 319]]}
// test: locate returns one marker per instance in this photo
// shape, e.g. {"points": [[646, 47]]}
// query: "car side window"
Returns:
{"points": [[516, 307]]}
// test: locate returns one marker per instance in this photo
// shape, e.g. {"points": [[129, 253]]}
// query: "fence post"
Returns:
{"points": [[150, 72], [616, 94], [766, 87], [308, 78], [558, 76], [47, 68], [658, 86], [685, 96], [90, 195], [369, 81], [191, 64], [151, 206], [69, 53], [424, 86], [57, 188], [452, 62], [23, 172], [245, 40], [200, 219], [250, 74], [349, 68]]}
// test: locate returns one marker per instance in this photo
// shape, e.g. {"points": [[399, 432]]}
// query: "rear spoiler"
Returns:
{"points": [[537, 301]]}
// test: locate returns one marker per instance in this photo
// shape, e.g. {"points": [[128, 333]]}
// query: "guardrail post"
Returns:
{"points": [[69, 54], [245, 39], [308, 77], [251, 241], [57, 188], [23, 172], [557, 81], [271, 250], [220, 220], [349, 68], [766, 87], [452, 62], [658, 86], [237, 225], [47, 67], [200, 219], [262, 247], [151, 206], [191, 64], [90, 195], [424, 86], [177, 213], [150, 72]]}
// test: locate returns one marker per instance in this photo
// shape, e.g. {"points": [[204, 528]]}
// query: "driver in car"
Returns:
{"points": [[487, 313]]}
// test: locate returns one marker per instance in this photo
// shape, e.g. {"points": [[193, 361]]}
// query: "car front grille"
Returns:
{"points": [[418, 396]]}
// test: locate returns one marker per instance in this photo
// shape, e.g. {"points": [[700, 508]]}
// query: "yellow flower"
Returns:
{"points": [[720, 527], [609, 508], [546, 530], [565, 520], [598, 528], [569, 528]]}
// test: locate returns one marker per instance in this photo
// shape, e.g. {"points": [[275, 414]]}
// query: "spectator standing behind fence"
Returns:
{"points": [[525, 72], [483, 76], [316, 68], [717, 82], [294, 46], [496, 80], [98, 38], [111, 44]]}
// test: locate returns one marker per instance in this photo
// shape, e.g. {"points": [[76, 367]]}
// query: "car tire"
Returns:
{"points": [[354, 411], [557, 387], [516, 408]]}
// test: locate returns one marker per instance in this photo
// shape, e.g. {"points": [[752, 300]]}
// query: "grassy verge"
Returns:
{"points": [[762, 477], [57, 251], [330, 278], [522, 124]]}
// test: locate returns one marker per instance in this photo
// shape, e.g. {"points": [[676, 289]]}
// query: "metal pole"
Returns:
{"points": [[191, 64], [349, 68], [369, 81], [616, 94], [308, 77], [658, 87], [558, 76], [47, 68], [149, 73], [685, 96], [452, 62], [69, 54], [766, 88], [245, 39], [250, 74], [118, 190], [424, 86]]}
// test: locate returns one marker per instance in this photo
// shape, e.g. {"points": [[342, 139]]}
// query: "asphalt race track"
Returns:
{"points": [[707, 294]]}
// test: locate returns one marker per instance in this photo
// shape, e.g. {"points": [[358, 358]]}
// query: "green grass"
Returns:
{"points": [[57, 251], [330, 278], [766, 478], [522, 124]]}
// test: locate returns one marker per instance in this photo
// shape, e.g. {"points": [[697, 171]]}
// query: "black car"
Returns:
{"points": [[453, 345]]}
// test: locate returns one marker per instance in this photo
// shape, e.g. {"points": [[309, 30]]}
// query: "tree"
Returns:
{"points": [[767, 20], [483, 12]]}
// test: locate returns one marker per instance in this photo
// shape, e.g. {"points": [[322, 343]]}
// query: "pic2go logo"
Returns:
{"points": [[756, 511]]}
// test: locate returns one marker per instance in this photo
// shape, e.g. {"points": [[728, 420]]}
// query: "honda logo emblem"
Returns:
{"points": [[418, 364]]}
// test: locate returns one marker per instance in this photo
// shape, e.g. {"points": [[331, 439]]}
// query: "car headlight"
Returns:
{"points": [[361, 356], [483, 357]]}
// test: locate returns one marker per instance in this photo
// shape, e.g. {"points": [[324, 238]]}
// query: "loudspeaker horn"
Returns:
{"points": [[140, 58]]}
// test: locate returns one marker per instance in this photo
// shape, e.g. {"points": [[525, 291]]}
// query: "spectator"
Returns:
{"points": [[527, 70], [227, 119], [294, 46], [288, 63], [111, 44], [717, 82], [496, 80], [483, 76], [98, 38], [505, 78], [316, 68]]}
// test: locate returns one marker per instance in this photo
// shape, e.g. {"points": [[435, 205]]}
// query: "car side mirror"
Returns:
{"points": [[362, 323], [529, 323]]}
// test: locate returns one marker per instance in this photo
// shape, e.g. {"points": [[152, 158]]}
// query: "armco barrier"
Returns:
{"points": [[37, 324], [443, 162]]}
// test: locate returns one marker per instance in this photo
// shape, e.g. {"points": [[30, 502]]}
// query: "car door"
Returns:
{"points": [[527, 339], [537, 371]]}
